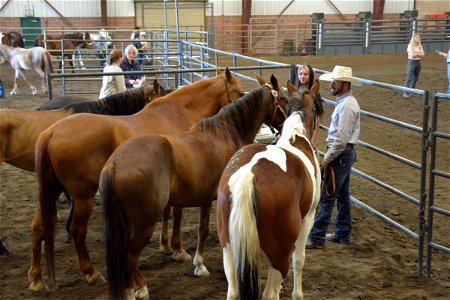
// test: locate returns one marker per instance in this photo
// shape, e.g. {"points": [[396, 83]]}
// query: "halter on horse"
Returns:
{"points": [[80, 155], [36, 58], [267, 199]]}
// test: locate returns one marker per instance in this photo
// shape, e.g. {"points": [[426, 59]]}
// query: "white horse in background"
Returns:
{"points": [[100, 45], [36, 58]]}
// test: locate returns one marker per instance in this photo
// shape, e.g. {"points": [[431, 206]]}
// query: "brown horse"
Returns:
{"points": [[267, 199], [12, 38], [71, 41], [75, 158], [36, 58], [19, 129], [149, 172]]}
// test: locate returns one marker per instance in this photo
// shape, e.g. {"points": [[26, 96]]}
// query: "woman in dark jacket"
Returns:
{"points": [[129, 63]]}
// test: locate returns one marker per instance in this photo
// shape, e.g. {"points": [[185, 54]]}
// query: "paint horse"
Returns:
{"points": [[36, 58], [20, 129], [267, 199], [180, 170], [71, 41], [72, 159], [12, 38], [101, 43]]}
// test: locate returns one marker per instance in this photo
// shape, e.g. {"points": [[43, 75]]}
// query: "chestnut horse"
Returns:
{"points": [[149, 172], [72, 159], [267, 199], [12, 38], [71, 41], [20, 129], [36, 58]]}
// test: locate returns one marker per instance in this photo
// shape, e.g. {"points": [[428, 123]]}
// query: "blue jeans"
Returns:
{"points": [[412, 73], [342, 166]]}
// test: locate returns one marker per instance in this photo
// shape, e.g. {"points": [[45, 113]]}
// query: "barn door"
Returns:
{"points": [[31, 28], [191, 15]]}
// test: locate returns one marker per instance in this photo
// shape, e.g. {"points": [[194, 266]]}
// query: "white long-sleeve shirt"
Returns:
{"points": [[344, 127], [113, 83]]}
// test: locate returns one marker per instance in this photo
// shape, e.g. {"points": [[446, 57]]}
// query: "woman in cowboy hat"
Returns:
{"points": [[338, 160]]}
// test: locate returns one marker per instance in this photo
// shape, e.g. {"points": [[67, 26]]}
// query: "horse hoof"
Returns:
{"points": [[201, 271], [37, 286], [181, 256], [95, 278], [142, 293], [165, 250]]}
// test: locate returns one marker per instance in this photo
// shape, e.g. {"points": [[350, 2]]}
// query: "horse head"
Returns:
{"points": [[309, 105], [232, 84], [280, 102]]}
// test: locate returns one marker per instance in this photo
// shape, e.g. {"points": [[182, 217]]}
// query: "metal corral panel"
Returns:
{"points": [[308, 7], [151, 14]]}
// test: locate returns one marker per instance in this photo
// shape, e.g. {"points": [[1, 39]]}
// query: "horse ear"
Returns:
{"points": [[228, 74], [315, 88], [261, 80], [274, 82], [291, 88]]}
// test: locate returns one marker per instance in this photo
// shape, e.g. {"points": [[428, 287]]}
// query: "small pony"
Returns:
{"points": [[12, 38], [267, 199], [36, 58]]}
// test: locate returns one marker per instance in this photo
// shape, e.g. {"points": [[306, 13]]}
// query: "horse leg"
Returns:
{"points": [[203, 232], [42, 75], [179, 254], [298, 255], [34, 272], [78, 230], [230, 272], [164, 246], [20, 73], [136, 245]]}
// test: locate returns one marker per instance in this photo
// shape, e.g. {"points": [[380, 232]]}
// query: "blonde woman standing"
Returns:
{"points": [[113, 83], [415, 54]]}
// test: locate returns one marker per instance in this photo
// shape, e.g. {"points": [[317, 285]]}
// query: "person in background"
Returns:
{"points": [[129, 63], [113, 83], [447, 59], [304, 81], [415, 54], [142, 47], [337, 162]]}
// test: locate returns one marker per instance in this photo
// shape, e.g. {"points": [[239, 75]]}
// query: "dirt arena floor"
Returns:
{"points": [[379, 263]]}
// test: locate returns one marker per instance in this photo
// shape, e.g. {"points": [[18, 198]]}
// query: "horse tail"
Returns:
{"points": [[115, 235], [49, 190], [243, 232], [48, 67]]}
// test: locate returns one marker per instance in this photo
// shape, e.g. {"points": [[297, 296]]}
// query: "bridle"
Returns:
{"points": [[276, 104]]}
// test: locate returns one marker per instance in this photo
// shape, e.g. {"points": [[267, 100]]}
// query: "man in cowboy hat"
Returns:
{"points": [[338, 160], [447, 58]]}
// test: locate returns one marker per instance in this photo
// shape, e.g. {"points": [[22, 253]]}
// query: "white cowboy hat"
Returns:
{"points": [[342, 74], [142, 33]]}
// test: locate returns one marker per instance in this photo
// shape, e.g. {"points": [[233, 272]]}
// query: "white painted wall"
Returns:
{"points": [[68, 8]]}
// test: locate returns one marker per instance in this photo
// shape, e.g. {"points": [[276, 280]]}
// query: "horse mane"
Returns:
{"points": [[293, 127], [122, 103], [235, 117]]}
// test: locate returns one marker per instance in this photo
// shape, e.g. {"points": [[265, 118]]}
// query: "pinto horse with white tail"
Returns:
{"points": [[149, 172], [267, 199], [36, 58]]}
